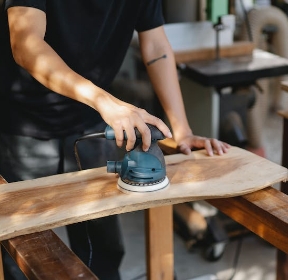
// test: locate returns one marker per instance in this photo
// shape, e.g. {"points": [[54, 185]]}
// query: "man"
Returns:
{"points": [[67, 53]]}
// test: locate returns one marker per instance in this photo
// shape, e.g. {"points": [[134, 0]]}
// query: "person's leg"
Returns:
{"points": [[97, 242], [24, 158]]}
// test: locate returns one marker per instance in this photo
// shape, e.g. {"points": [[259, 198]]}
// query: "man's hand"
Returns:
{"points": [[122, 116], [188, 142]]}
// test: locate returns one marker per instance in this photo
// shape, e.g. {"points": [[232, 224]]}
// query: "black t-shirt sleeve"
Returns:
{"points": [[38, 4], [150, 15]]}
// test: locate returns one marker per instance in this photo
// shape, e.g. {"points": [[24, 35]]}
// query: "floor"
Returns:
{"points": [[257, 259]]}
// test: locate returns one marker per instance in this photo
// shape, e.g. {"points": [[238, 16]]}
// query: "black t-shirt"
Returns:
{"points": [[92, 37]]}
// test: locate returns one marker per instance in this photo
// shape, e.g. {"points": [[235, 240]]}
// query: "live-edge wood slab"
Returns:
{"points": [[45, 203]]}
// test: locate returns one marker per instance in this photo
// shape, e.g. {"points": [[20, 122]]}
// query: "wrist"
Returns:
{"points": [[89, 94], [181, 133]]}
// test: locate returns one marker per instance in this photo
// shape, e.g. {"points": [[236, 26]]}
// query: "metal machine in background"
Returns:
{"points": [[139, 171]]}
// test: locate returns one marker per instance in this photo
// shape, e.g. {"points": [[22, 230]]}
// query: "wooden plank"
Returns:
{"points": [[159, 243], [43, 256], [59, 200], [241, 48], [264, 212]]}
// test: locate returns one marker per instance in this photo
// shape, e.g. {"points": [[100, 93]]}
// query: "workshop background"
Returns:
{"points": [[237, 254], [245, 257]]}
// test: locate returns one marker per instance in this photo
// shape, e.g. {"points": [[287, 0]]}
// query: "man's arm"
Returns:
{"points": [[158, 58], [27, 30]]}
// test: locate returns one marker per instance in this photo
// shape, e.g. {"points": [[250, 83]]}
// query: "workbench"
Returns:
{"points": [[238, 183]]}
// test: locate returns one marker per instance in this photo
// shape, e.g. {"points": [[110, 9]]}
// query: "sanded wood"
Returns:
{"points": [[59, 200], [237, 49], [43, 256], [159, 243]]}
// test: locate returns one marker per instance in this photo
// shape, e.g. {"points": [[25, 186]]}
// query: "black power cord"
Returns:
{"points": [[85, 137], [236, 258]]}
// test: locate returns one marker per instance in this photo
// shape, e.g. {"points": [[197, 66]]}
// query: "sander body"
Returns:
{"points": [[139, 171]]}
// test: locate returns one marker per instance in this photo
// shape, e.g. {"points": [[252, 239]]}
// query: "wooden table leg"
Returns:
{"points": [[282, 258], [1, 266], [159, 243]]}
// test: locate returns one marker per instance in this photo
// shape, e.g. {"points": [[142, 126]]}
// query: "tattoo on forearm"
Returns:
{"points": [[156, 59]]}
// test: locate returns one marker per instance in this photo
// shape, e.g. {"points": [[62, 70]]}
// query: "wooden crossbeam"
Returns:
{"points": [[264, 212], [43, 256]]}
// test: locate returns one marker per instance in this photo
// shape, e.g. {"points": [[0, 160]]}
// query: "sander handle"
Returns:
{"points": [[156, 134]]}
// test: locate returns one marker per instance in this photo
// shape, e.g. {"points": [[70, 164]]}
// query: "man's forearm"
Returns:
{"points": [[163, 75], [32, 53]]}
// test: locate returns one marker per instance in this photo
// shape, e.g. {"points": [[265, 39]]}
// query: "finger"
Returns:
{"points": [[185, 149], [119, 135], [146, 136], [208, 147], [159, 124], [226, 147], [131, 137], [217, 145]]}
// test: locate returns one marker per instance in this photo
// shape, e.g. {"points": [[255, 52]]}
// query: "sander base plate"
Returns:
{"points": [[128, 188]]}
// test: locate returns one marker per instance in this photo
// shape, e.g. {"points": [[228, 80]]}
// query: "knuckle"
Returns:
{"points": [[142, 111], [146, 130], [131, 138]]}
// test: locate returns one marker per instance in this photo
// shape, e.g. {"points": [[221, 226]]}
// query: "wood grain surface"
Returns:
{"points": [[45, 203], [264, 212], [237, 49], [43, 256], [159, 249]]}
